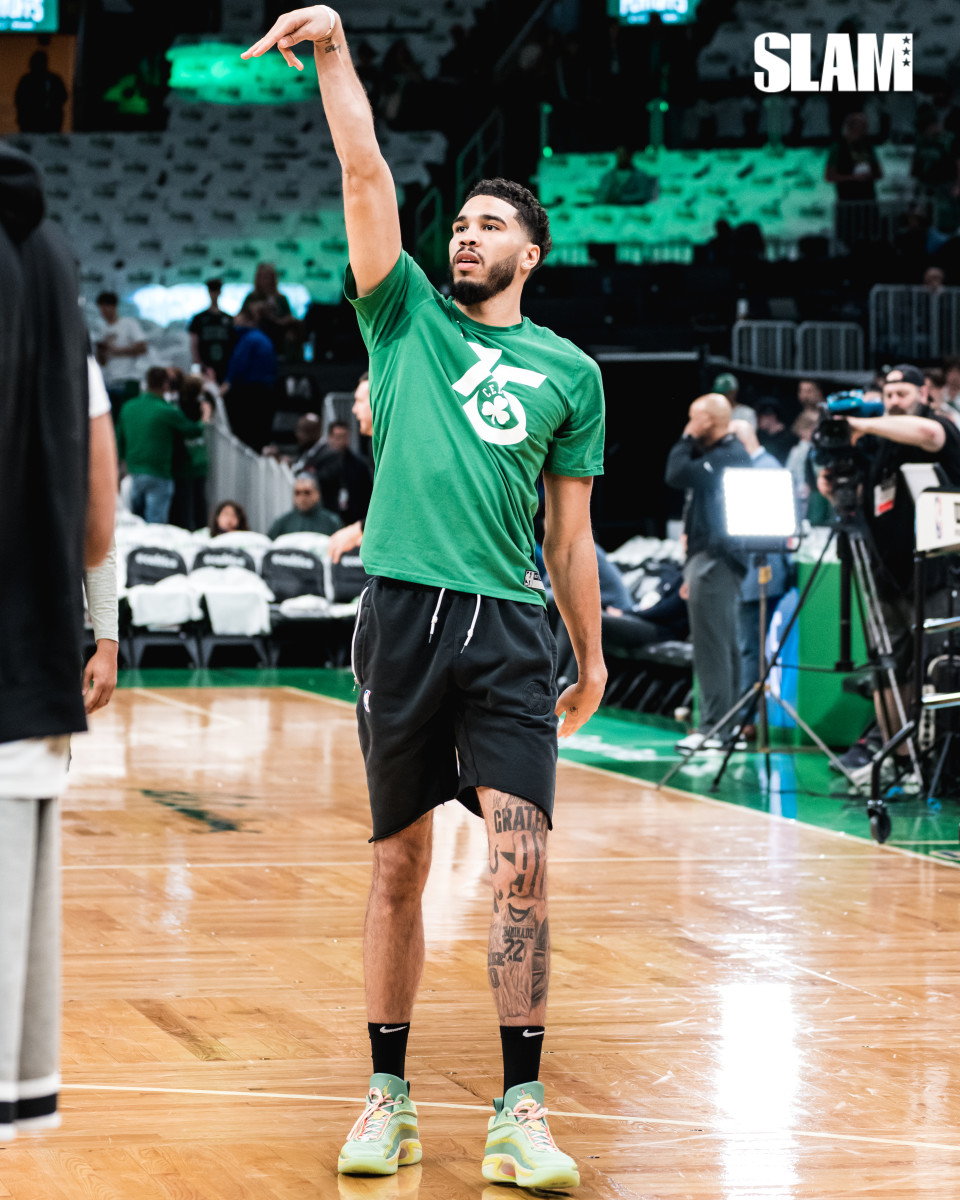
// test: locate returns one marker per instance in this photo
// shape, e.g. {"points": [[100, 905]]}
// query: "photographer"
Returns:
{"points": [[712, 572], [908, 432]]}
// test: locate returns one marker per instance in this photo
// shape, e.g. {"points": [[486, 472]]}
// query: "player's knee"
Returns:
{"points": [[401, 865], [518, 851]]}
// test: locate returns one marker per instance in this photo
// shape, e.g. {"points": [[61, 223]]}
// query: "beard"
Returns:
{"points": [[499, 278]]}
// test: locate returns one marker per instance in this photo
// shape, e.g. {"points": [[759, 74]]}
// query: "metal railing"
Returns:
{"points": [[263, 486], [829, 346], [865, 221], [767, 345], [816, 346], [482, 156], [428, 233], [908, 322]]}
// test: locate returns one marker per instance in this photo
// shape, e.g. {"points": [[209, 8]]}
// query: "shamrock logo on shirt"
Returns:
{"points": [[496, 406], [497, 416]]}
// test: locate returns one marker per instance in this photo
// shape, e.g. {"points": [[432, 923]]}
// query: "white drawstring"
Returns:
{"points": [[436, 614], [473, 625]]}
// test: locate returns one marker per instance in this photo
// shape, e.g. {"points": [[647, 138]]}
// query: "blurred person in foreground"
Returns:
{"points": [[908, 432], [58, 488], [712, 572], [453, 651]]}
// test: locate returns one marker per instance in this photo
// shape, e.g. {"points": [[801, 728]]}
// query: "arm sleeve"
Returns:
{"points": [[384, 313], [100, 584], [183, 425], [577, 446], [682, 470]]}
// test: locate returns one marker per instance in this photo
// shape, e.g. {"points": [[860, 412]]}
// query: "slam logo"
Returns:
{"points": [[873, 64]]}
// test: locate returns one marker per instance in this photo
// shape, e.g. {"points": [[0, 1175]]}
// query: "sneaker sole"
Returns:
{"points": [[501, 1168], [410, 1152]]}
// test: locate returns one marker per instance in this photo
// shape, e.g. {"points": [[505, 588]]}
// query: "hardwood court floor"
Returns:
{"points": [[741, 1006]]}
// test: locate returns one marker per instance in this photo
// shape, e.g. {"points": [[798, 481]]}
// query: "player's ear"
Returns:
{"points": [[531, 256]]}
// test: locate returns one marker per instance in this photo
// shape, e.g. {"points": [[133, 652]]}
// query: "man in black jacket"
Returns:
{"points": [[712, 572], [57, 488]]}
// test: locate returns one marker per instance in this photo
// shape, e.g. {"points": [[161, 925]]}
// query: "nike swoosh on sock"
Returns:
{"points": [[539, 1033], [396, 1029]]}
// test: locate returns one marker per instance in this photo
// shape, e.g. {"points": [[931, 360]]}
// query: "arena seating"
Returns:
{"points": [[783, 191]]}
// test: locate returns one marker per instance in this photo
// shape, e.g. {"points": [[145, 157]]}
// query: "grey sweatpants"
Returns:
{"points": [[713, 608], [29, 963]]}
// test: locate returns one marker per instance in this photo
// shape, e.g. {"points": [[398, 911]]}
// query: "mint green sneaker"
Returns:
{"points": [[385, 1136], [520, 1148]]}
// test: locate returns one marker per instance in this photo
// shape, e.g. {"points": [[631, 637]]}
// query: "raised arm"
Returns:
{"points": [[369, 195]]}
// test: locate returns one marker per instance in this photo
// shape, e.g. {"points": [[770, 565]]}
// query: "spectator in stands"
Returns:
{"points": [[796, 463], [276, 318], [40, 98], [212, 334], [307, 515], [119, 342], [344, 477], [750, 587], [191, 462], [908, 432], [247, 388], [774, 436], [936, 168], [712, 572], [809, 395], [934, 279], [399, 71], [147, 434], [729, 385], [951, 381], [853, 168], [719, 251], [350, 536], [309, 439], [626, 184], [228, 517]]}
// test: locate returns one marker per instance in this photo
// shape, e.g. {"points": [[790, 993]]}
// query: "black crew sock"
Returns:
{"points": [[521, 1054], [388, 1042]]}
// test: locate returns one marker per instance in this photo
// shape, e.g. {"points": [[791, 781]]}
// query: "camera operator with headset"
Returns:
{"points": [[908, 432]]}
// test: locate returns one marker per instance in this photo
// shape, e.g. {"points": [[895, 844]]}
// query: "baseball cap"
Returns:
{"points": [[726, 383], [905, 373]]}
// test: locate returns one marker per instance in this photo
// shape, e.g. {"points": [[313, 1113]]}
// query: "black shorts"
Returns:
{"points": [[457, 691]]}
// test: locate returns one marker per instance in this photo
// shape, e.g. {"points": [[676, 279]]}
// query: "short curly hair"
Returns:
{"points": [[530, 212]]}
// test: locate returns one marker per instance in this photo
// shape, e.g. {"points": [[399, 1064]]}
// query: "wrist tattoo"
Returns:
{"points": [[333, 48]]}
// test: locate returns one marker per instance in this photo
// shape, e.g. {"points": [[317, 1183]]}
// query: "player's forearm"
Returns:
{"points": [[346, 106], [100, 584], [572, 568]]}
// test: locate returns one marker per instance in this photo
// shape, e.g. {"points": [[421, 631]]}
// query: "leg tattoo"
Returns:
{"points": [[518, 961]]}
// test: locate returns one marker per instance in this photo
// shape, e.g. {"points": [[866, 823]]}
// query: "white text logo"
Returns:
{"points": [[872, 66]]}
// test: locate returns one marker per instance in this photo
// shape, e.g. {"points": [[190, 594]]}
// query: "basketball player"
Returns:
{"points": [[452, 650]]}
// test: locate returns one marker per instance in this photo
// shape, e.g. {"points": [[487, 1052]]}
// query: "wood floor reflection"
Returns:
{"points": [[740, 1006]]}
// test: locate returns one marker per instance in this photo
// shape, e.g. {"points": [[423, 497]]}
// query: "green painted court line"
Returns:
{"points": [[799, 786]]}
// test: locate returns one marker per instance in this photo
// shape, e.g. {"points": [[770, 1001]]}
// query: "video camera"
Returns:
{"points": [[834, 449]]}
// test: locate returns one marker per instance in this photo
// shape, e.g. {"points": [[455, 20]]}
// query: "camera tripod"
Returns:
{"points": [[853, 551]]}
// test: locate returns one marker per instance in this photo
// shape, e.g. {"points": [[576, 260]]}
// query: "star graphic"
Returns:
{"points": [[906, 39], [906, 62]]}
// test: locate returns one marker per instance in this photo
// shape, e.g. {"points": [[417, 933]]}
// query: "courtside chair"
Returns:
{"points": [[161, 618]]}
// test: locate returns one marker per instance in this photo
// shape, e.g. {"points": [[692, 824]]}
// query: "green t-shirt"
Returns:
{"points": [[148, 431], [465, 417], [316, 520]]}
